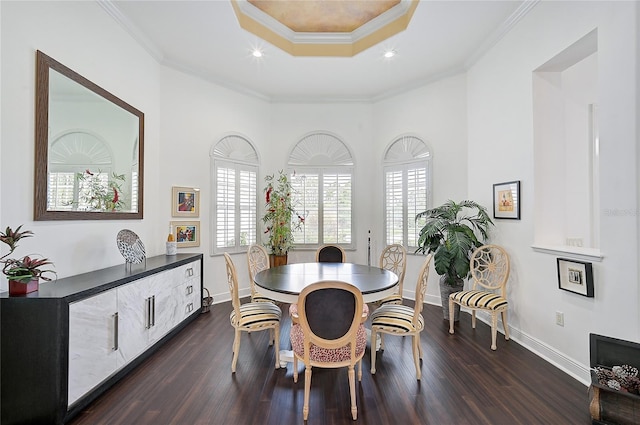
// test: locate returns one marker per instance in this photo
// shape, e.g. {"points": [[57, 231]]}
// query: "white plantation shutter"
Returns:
{"points": [[407, 189], [60, 195], [321, 169], [235, 215]]}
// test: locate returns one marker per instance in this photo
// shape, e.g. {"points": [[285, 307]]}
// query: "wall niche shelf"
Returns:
{"points": [[572, 252]]}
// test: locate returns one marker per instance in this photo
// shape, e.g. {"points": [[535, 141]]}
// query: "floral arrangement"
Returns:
{"points": [[280, 218], [622, 378], [26, 268], [96, 195]]}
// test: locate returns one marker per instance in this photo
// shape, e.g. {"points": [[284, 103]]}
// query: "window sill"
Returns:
{"points": [[574, 252]]}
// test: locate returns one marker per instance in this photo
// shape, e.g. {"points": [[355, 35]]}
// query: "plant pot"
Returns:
{"points": [[445, 291], [20, 288], [277, 260]]}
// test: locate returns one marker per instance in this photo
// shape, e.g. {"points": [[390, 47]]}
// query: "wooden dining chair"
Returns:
{"points": [[329, 253], [489, 267], [257, 260], [402, 320], [394, 259], [251, 317], [330, 334]]}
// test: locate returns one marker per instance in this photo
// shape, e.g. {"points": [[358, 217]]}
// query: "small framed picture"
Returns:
{"points": [[575, 276], [185, 202], [186, 233], [506, 200]]}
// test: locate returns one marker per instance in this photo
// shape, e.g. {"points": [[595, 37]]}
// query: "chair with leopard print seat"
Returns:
{"points": [[329, 334]]}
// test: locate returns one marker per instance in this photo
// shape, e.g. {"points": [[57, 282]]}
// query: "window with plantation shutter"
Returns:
{"points": [[321, 170], [407, 189], [235, 173]]}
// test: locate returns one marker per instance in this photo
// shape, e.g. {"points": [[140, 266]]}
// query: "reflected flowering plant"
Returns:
{"points": [[26, 268], [98, 195], [280, 217]]}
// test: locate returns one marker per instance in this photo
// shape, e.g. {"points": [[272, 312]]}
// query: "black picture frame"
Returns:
{"points": [[506, 200], [575, 276]]}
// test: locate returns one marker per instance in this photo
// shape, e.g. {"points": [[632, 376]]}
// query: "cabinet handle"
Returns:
{"points": [[190, 271], [115, 331], [148, 324], [153, 309], [189, 307], [189, 289]]}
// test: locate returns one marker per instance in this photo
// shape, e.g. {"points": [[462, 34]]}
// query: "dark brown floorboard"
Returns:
{"points": [[189, 381]]}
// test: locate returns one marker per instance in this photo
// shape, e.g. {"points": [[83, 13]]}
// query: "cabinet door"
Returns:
{"points": [[134, 310], [165, 306], [93, 342]]}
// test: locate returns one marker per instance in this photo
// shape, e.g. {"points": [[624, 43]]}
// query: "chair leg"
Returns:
{"points": [[374, 337], [419, 346], [236, 349], [271, 338], [473, 319], [307, 390], [416, 356], [352, 390], [276, 330], [494, 329], [295, 368], [360, 371], [452, 315], [506, 326]]}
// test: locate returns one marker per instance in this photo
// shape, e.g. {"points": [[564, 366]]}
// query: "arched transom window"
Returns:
{"points": [[407, 189], [321, 168], [234, 182]]}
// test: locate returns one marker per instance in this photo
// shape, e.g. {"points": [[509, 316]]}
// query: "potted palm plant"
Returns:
{"points": [[280, 217], [24, 273], [452, 232]]}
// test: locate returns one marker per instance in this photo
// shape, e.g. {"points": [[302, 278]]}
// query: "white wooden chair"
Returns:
{"points": [[330, 334], [251, 317], [257, 260], [402, 320], [490, 269], [394, 259]]}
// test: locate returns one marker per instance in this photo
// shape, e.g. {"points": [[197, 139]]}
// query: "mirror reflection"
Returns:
{"points": [[88, 149]]}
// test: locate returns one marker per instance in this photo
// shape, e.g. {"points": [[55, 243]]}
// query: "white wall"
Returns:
{"points": [[83, 37], [501, 149]]}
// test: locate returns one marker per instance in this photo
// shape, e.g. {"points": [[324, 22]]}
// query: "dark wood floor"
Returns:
{"points": [[189, 381]]}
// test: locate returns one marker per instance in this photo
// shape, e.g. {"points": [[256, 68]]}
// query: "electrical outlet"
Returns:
{"points": [[559, 318]]}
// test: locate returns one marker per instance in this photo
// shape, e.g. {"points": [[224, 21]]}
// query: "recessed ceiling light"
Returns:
{"points": [[257, 53], [389, 54]]}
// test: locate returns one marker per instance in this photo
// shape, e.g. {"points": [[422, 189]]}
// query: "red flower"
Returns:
{"points": [[115, 195], [268, 197], [88, 172], [301, 219]]}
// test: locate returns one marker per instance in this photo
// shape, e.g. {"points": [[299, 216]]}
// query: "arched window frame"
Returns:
{"points": [[407, 188], [232, 156], [325, 158]]}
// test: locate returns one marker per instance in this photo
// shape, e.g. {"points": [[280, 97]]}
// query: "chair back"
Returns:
{"points": [[330, 313], [232, 281], [394, 259], [330, 254], [490, 268], [421, 288], [257, 260]]}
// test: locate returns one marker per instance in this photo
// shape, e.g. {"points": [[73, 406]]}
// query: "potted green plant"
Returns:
{"points": [[24, 273], [452, 232], [280, 217]]}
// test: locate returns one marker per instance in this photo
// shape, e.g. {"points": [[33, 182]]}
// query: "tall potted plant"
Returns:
{"points": [[24, 273], [280, 217], [452, 232]]}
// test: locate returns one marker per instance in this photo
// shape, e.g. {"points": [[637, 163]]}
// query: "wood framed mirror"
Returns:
{"points": [[89, 153]]}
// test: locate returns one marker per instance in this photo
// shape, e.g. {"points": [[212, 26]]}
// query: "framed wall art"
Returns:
{"points": [[575, 276], [185, 202], [186, 233], [506, 200]]}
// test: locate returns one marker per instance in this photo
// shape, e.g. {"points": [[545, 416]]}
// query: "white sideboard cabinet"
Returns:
{"points": [[66, 344]]}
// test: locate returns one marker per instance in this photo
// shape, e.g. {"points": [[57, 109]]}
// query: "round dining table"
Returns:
{"points": [[284, 283]]}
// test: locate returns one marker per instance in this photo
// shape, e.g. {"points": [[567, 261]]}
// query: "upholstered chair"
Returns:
{"points": [[330, 334], [490, 268], [251, 317], [330, 254], [402, 320]]}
